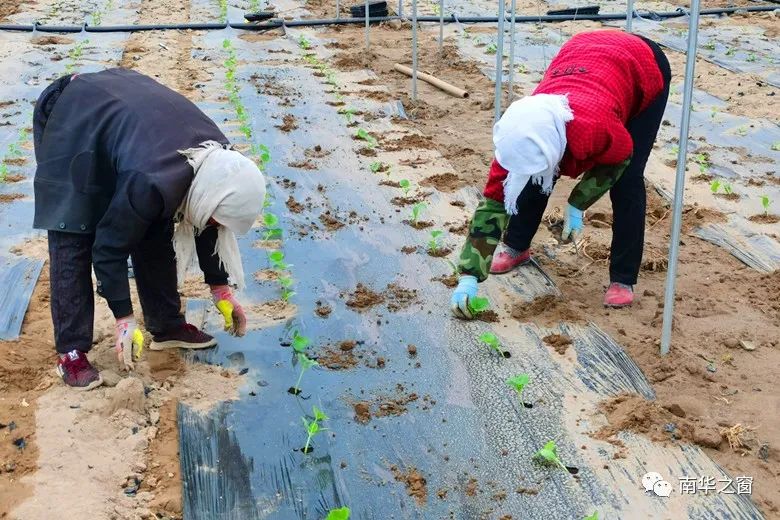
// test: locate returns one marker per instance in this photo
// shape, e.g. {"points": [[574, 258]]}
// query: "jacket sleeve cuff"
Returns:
{"points": [[215, 279], [121, 308]]}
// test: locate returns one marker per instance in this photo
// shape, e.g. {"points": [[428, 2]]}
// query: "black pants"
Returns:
{"points": [[72, 294], [629, 200]]}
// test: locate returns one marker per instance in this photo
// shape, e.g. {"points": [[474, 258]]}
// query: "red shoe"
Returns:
{"points": [[77, 372], [507, 260], [618, 295], [184, 336]]}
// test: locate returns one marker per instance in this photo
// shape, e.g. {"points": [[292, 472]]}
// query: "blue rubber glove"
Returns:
{"points": [[572, 222], [459, 303]]}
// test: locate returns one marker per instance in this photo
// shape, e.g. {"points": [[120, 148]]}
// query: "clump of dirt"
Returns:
{"points": [[461, 229], [407, 142], [14, 178], [302, 165], [337, 359], [266, 275], [416, 485], [406, 201], [367, 152], [322, 310], [408, 250], [15, 161], [729, 196], [363, 298], [450, 280], [559, 342], [439, 252], [394, 184], [419, 224], [395, 405], [765, 218], [330, 221], [52, 40], [472, 487], [458, 203], [547, 309], [412, 350], [10, 197], [362, 412], [316, 153], [293, 205], [446, 182], [399, 297], [633, 413], [288, 123], [488, 316]]}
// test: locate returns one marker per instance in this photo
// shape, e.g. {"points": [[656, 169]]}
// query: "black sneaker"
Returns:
{"points": [[76, 371], [185, 336]]}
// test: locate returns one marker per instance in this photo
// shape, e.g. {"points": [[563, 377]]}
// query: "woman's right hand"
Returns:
{"points": [[459, 303]]}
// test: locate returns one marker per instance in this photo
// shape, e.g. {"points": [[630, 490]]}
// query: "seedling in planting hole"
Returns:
{"points": [[270, 220], [300, 343], [347, 113], [776, 147], [303, 43], [518, 382], [96, 17], [731, 51], [742, 131], [405, 185], [703, 161], [13, 150], [709, 46], [491, 341], [306, 364], [594, 516], [416, 210], [435, 242], [244, 129], [261, 151], [223, 10], [3, 172], [765, 202], [277, 261], [287, 294], [273, 234], [727, 189], [478, 305], [313, 427], [376, 166], [751, 57], [452, 266], [341, 513], [715, 186], [549, 454], [365, 136], [491, 49]]}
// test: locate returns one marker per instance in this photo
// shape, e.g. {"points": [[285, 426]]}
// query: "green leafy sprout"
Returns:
{"points": [[491, 341], [478, 304], [594, 516], [277, 261], [313, 427], [341, 513], [434, 244], [405, 185], [97, 17], [742, 131], [751, 57], [300, 343], [518, 382], [285, 282], [363, 135], [416, 210], [765, 203], [3, 172], [491, 49], [306, 364], [303, 43], [727, 188], [223, 10], [715, 186], [703, 160], [376, 166], [549, 454], [776, 147], [348, 113]]}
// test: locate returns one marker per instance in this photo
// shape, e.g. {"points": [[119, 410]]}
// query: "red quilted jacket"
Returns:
{"points": [[609, 76]]}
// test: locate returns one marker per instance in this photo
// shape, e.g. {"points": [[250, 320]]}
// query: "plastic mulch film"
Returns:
{"points": [[18, 277], [758, 251]]}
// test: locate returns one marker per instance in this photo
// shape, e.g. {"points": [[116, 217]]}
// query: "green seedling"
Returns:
{"points": [[313, 427], [267, 202], [14, 150], [286, 294], [522, 69], [300, 343], [341, 513], [519, 382], [765, 202], [727, 188], [277, 261], [703, 161], [23, 135], [244, 129], [306, 364], [549, 454], [330, 79], [254, 5], [731, 51], [376, 166], [285, 281], [97, 17], [751, 57], [491, 341], [3, 172], [491, 49], [775, 147], [365, 136], [223, 10], [453, 267], [405, 185], [594, 516], [715, 186], [347, 113], [303, 43], [435, 242], [270, 220], [272, 234], [478, 305], [416, 211], [709, 46], [742, 131], [261, 151]]}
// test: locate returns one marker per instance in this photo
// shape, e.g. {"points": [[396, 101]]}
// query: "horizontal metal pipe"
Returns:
{"points": [[273, 24]]}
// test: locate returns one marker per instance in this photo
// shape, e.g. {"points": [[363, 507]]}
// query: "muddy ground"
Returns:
{"points": [[718, 384]]}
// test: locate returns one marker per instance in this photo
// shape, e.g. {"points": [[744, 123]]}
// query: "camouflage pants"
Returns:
{"points": [[485, 232]]}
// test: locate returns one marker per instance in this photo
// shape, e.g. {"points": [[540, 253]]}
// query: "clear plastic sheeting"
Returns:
{"points": [[758, 251], [18, 277]]}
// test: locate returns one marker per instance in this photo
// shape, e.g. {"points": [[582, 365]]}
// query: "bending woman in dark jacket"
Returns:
{"points": [[595, 113], [120, 159]]}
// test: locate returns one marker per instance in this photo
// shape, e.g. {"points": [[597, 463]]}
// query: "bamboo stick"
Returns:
{"points": [[436, 82]]}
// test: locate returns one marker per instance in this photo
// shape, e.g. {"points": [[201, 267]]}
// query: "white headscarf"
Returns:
{"points": [[530, 139], [227, 187]]}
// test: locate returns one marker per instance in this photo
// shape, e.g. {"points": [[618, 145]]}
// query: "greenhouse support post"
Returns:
{"points": [[679, 183], [499, 58]]}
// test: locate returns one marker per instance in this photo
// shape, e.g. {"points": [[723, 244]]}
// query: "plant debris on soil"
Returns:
{"points": [[559, 342], [293, 205], [416, 485], [322, 310], [330, 221], [764, 218], [363, 298]]}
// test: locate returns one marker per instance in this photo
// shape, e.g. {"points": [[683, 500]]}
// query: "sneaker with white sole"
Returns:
{"points": [[76, 371], [185, 336]]}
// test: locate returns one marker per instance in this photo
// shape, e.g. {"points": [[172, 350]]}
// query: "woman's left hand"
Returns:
{"points": [[231, 310], [572, 223]]}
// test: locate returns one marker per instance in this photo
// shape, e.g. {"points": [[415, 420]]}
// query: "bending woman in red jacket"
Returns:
{"points": [[595, 113]]}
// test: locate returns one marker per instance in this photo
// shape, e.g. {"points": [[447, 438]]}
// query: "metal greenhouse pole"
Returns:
{"points": [[630, 16], [414, 50], [679, 183], [499, 58]]}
